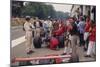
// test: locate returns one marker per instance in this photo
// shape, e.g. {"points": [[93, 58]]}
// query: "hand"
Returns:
{"points": [[25, 37]]}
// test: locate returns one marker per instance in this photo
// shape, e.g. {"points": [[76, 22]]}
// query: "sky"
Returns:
{"points": [[62, 7]]}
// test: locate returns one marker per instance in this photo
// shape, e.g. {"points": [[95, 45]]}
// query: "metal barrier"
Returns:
{"points": [[39, 58]]}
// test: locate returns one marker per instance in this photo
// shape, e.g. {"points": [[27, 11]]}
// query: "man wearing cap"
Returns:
{"points": [[28, 35]]}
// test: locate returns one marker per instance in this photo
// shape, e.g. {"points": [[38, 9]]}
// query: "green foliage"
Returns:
{"points": [[40, 10]]}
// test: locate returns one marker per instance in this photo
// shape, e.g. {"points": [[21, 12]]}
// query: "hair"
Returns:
{"points": [[27, 19], [92, 23], [54, 35], [82, 19]]}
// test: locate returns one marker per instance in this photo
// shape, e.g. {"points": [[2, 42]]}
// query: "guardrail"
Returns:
{"points": [[39, 58]]}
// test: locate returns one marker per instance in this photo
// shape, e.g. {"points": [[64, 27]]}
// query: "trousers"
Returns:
{"points": [[74, 43], [28, 38], [91, 48]]}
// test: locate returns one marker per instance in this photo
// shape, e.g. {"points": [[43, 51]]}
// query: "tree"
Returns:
{"points": [[40, 10]]}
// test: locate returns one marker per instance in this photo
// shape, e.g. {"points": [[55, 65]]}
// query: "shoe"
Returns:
{"points": [[80, 45], [57, 49], [87, 56], [85, 49], [30, 52], [63, 54]]}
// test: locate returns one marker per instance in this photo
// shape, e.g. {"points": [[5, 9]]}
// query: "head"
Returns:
{"points": [[88, 19], [93, 24], [27, 18], [82, 18], [71, 20]]}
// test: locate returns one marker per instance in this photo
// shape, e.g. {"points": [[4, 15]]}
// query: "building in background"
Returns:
{"points": [[83, 10]]}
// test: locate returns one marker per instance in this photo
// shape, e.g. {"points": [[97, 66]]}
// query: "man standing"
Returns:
{"points": [[28, 35], [37, 28], [86, 33], [92, 41], [81, 27], [50, 26], [67, 39], [46, 28], [74, 40]]}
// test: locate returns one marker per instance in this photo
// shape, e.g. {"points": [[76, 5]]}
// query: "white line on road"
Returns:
{"points": [[17, 41]]}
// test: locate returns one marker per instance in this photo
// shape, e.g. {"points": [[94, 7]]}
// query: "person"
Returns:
{"points": [[74, 40], [86, 33], [92, 41], [28, 35], [50, 26], [33, 26], [60, 34], [37, 27], [67, 47], [60, 30], [54, 43], [81, 27], [46, 28]]}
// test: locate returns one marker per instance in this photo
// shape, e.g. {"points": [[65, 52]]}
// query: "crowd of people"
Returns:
{"points": [[55, 34]]}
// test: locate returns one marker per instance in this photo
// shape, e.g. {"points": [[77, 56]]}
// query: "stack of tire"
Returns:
{"points": [[37, 41]]}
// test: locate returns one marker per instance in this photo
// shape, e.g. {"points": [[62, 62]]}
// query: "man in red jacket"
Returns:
{"points": [[92, 40]]}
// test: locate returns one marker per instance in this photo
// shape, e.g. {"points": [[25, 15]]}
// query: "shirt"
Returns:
{"points": [[74, 29], [92, 36], [28, 26], [45, 24], [49, 24], [87, 26], [81, 26], [37, 24], [28, 29], [68, 26], [59, 31]]}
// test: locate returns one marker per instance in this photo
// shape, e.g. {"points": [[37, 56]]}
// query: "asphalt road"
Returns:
{"points": [[20, 49], [16, 32]]}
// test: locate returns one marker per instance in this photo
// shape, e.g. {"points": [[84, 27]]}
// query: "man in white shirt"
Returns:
{"points": [[50, 26], [28, 35]]}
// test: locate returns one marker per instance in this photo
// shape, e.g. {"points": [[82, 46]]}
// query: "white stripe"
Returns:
{"points": [[17, 41]]}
